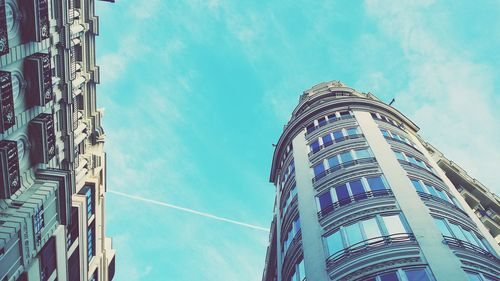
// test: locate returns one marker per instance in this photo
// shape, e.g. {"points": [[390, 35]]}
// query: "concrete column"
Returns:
{"points": [[443, 263], [314, 252]]}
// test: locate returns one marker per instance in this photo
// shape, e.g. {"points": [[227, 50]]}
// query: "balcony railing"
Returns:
{"points": [[464, 245], [343, 166], [344, 138], [420, 168], [368, 245], [329, 121], [358, 197], [426, 196]]}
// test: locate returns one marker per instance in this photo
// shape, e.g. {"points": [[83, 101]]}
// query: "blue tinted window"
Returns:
{"points": [[345, 114], [418, 274], [396, 136], [400, 155], [334, 243], [352, 131], [310, 128], [376, 183], [314, 146], [457, 230], [357, 187], [418, 186], [342, 194], [353, 233], [327, 140], [442, 195], [385, 133], [442, 227], [318, 169], [322, 121], [473, 276], [363, 153], [325, 200], [333, 162], [431, 189], [337, 135], [332, 117], [411, 159], [391, 276], [346, 157]]}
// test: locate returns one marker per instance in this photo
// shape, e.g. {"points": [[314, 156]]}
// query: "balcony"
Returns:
{"points": [[355, 198], [43, 138], [36, 20], [334, 141], [38, 71], [311, 129], [9, 168], [343, 166], [4, 37], [7, 116], [469, 247], [362, 248]]}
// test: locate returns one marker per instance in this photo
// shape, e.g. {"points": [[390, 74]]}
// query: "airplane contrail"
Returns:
{"points": [[206, 215]]}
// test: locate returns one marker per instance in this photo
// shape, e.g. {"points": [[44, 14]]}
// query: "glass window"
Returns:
{"points": [[352, 131], [357, 189], [319, 169], [442, 227], [333, 162], [400, 155], [332, 117], [325, 200], [470, 237], [391, 276], [371, 228], [342, 194], [418, 186], [345, 114], [346, 157], [338, 136], [385, 133], [411, 159], [334, 243], [374, 115], [457, 231], [353, 234], [442, 195], [394, 224], [310, 128], [321, 121], [396, 136], [314, 146], [418, 274], [296, 226], [376, 183], [327, 140], [431, 190], [302, 271], [473, 276], [362, 153]]}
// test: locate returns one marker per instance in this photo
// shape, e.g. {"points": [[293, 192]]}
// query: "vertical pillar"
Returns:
{"points": [[314, 253], [443, 263]]}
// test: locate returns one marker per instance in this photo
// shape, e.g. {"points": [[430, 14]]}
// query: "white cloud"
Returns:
{"points": [[145, 9], [450, 96]]}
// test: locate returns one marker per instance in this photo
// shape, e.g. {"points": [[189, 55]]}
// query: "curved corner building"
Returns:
{"points": [[359, 196]]}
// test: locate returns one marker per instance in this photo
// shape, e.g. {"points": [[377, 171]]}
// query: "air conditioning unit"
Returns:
{"points": [[4, 36], [7, 116], [38, 73], [43, 138], [10, 181]]}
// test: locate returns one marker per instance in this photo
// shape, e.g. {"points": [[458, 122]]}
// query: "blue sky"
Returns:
{"points": [[195, 92]]}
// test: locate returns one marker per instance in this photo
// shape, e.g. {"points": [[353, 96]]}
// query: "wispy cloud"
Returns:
{"points": [[450, 96]]}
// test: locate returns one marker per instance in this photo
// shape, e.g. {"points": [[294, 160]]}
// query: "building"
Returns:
{"points": [[52, 162], [360, 196]]}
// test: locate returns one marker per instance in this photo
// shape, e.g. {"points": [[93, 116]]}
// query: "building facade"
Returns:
{"points": [[52, 162], [360, 196]]}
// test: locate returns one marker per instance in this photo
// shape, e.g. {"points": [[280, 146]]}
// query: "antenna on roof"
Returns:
{"points": [[392, 101]]}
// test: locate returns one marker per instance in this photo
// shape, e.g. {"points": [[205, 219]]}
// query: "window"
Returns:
{"points": [[90, 242], [362, 153], [473, 276], [327, 140], [334, 242], [357, 189], [418, 186], [352, 131], [338, 136], [342, 194], [310, 128], [319, 170], [321, 121], [346, 156], [315, 146], [385, 133], [391, 276], [371, 228], [38, 224], [333, 162], [400, 155], [332, 117], [442, 225], [354, 234], [418, 274], [376, 183], [345, 114], [394, 224], [325, 201]]}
